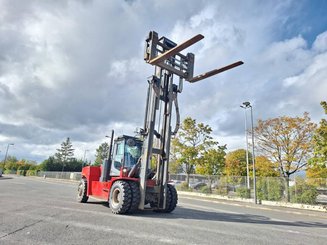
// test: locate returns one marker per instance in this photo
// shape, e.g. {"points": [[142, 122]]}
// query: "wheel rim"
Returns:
{"points": [[116, 197], [80, 189]]}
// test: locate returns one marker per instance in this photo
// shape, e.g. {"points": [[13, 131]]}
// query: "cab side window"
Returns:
{"points": [[118, 158]]}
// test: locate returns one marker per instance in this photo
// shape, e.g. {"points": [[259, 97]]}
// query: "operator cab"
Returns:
{"points": [[126, 153]]}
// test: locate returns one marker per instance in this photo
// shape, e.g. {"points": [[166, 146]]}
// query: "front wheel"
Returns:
{"points": [[171, 201], [82, 191], [136, 196], [173, 198], [120, 197]]}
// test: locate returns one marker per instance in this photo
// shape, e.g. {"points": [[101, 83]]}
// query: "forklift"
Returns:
{"points": [[127, 180]]}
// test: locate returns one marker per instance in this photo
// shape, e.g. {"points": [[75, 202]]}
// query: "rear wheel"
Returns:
{"points": [[82, 191], [136, 196], [120, 197], [171, 200]]}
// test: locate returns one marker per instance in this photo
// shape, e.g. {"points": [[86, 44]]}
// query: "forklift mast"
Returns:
{"points": [[162, 93]]}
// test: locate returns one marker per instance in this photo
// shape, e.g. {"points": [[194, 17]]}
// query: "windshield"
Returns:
{"points": [[132, 153]]}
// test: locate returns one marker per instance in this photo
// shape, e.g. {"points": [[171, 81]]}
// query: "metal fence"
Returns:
{"points": [[297, 190], [60, 175]]}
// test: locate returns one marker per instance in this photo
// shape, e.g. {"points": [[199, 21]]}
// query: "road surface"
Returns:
{"points": [[37, 211]]}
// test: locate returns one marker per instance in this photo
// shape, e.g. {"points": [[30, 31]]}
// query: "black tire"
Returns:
{"points": [[120, 198], [82, 191], [136, 196], [171, 200]]}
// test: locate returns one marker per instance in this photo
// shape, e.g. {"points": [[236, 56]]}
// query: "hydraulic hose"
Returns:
{"points": [[177, 114]]}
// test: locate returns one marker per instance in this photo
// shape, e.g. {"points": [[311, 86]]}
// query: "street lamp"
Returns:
{"points": [[84, 158], [4, 162], [248, 105], [247, 148]]}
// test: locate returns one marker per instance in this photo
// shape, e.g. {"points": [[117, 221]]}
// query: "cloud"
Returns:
{"points": [[75, 68]]}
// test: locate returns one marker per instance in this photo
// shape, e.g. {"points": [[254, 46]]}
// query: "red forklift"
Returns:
{"points": [[127, 179]]}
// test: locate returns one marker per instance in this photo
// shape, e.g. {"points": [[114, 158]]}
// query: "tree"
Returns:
{"points": [[74, 165], [66, 153], [236, 163], [320, 142], [54, 164], [11, 163], [174, 166], [212, 163], [316, 171], [51, 164], [265, 168], [190, 144], [101, 153], [318, 163], [286, 141]]}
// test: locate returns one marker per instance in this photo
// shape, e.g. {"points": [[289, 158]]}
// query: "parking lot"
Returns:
{"points": [[38, 211]]}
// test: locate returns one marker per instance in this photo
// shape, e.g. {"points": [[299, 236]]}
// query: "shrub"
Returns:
{"points": [[262, 189], [31, 172], [270, 189], [33, 167], [221, 190], [303, 192], [276, 188], [21, 172], [9, 171], [243, 192], [183, 187], [205, 189]]}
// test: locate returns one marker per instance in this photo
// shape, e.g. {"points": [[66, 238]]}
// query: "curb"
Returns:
{"points": [[69, 181], [319, 208]]}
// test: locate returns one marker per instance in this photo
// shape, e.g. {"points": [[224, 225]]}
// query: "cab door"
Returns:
{"points": [[118, 158]]}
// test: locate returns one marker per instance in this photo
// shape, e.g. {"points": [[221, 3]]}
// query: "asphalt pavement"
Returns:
{"points": [[38, 211]]}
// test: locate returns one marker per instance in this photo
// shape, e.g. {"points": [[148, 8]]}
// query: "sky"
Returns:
{"points": [[73, 68]]}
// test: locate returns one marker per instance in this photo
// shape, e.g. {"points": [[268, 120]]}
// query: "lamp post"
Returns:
{"points": [[84, 158], [4, 162], [248, 105], [247, 148]]}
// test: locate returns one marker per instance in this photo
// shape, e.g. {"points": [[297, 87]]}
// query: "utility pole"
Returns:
{"points": [[248, 105], [84, 158], [247, 149], [4, 162], [253, 161]]}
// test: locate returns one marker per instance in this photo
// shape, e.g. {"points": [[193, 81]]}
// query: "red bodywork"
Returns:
{"points": [[100, 189]]}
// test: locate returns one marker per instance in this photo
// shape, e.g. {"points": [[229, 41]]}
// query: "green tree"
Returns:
{"points": [[236, 163], [316, 171], [212, 163], [54, 164], [191, 142], [174, 166], [303, 192], [74, 165], [11, 163], [101, 153], [286, 141], [51, 164], [66, 153], [318, 163]]}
